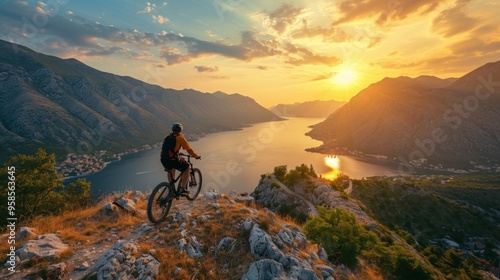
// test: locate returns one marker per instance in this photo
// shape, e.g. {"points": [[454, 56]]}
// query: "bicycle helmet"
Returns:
{"points": [[177, 127]]}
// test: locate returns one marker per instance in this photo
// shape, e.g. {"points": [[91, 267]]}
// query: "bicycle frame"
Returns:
{"points": [[160, 200], [172, 181]]}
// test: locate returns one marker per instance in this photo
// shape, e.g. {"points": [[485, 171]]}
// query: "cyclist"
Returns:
{"points": [[170, 158]]}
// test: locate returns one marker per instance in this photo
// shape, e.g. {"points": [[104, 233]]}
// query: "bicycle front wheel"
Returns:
{"points": [[194, 186], [160, 202]]}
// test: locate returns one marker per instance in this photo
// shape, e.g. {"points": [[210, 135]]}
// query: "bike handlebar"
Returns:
{"points": [[188, 156]]}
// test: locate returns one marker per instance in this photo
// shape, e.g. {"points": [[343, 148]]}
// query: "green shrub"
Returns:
{"points": [[345, 240], [38, 187]]}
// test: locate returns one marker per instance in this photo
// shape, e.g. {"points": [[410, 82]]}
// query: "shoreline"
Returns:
{"points": [[417, 170]]}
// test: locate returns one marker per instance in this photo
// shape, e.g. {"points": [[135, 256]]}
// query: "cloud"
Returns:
{"points": [[217, 77], [80, 36], [282, 17], [454, 21], [331, 34], [322, 77], [475, 47], [248, 49], [160, 19], [260, 67], [202, 69], [149, 8], [300, 56], [383, 11]]}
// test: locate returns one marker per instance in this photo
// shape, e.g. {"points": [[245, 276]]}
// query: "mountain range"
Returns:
{"points": [[423, 119], [310, 109], [66, 106]]}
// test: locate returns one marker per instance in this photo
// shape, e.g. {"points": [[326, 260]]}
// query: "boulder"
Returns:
{"points": [[109, 208], [45, 246], [182, 216], [203, 217], [26, 232], [212, 195], [56, 271], [262, 246], [322, 254], [326, 271], [147, 267], [226, 244], [194, 248], [248, 200], [248, 223], [264, 270], [125, 204]]}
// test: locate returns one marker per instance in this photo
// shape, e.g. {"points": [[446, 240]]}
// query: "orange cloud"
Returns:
{"points": [[454, 21], [383, 11]]}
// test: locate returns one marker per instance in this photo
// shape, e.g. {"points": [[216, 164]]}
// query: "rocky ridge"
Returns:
{"points": [[214, 237], [321, 194]]}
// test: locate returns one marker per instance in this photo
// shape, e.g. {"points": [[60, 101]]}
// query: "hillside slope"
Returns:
{"points": [[214, 237], [67, 106], [410, 119]]}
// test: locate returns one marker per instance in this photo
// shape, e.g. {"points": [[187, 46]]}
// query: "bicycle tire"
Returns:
{"points": [[194, 186], [159, 202]]}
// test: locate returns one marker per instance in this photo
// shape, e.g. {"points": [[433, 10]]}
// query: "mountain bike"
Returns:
{"points": [[164, 193]]}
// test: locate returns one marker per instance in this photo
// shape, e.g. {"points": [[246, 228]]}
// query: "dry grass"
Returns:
{"points": [[66, 254], [81, 226]]}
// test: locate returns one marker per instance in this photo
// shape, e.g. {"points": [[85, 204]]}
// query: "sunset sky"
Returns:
{"points": [[273, 51]]}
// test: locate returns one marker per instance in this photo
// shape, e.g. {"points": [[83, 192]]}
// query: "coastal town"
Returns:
{"points": [[77, 165]]}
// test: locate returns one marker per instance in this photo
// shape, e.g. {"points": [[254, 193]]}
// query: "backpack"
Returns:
{"points": [[168, 147]]}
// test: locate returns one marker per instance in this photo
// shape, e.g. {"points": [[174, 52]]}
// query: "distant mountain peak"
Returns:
{"points": [[308, 109], [394, 116]]}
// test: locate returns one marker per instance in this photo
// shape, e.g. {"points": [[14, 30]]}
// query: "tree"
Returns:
{"points": [[36, 183], [38, 187], [280, 172], [77, 194]]}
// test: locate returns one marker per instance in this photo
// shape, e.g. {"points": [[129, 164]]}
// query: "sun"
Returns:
{"points": [[344, 77]]}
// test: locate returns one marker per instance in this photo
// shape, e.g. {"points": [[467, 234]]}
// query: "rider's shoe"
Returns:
{"points": [[183, 192]]}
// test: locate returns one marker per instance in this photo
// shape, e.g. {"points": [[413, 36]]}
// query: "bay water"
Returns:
{"points": [[234, 160]]}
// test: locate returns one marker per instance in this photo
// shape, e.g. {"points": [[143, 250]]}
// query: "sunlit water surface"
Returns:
{"points": [[234, 160]]}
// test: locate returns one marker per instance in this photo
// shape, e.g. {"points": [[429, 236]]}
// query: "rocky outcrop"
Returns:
{"points": [[277, 255], [264, 270], [272, 196], [326, 196], [120, 263]]}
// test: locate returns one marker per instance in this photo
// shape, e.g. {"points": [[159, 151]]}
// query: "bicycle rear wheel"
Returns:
{"points": [[160, 202], [194, 186]]}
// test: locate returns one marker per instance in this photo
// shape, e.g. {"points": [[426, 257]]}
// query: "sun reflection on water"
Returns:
{"points": [[334, 163]]}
